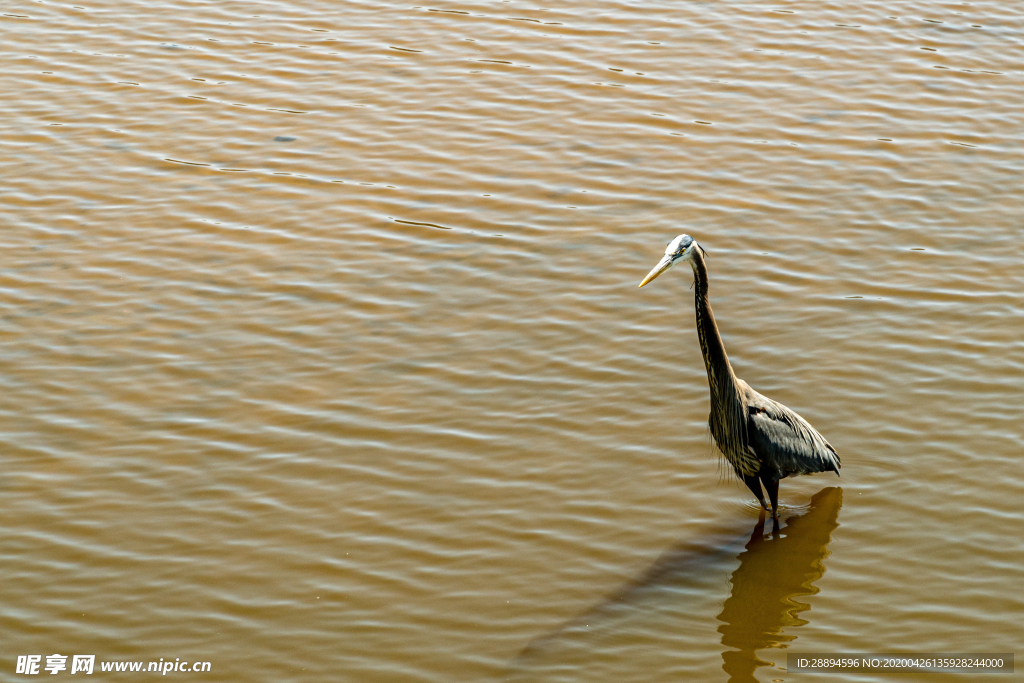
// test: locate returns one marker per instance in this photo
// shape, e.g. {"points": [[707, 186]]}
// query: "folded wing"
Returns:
{"points": [[785, 441]]}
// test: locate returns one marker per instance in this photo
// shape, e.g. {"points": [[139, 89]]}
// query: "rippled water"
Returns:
{"points": [[323, 356]]}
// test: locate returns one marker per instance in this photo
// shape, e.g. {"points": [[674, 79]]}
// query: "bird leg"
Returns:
{"points": [[771, 485], [754, 484]]}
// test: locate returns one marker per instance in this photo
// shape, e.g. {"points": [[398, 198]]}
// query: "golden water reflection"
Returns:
{"points": [[775, 571], [677, 599]]}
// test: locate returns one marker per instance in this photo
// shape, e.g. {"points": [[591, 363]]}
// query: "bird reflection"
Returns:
{"points": [[775, 571], [652, 622]]}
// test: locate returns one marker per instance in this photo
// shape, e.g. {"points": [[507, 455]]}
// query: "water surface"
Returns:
{"points": [[322, 356]]}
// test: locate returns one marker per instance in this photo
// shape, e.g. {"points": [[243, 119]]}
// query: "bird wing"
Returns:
{"points": [[784, 440]]}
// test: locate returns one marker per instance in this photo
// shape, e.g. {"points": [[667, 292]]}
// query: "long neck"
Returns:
{"points": [[720, 374]]}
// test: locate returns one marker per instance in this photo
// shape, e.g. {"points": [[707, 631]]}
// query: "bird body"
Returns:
{"points": [[763, 440]]}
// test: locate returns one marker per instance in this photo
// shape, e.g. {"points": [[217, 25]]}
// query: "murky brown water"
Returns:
{"points": [[323, 357]]}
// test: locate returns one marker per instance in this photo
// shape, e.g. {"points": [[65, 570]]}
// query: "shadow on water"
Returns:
{"points": [[660, 625], [774, 571]]}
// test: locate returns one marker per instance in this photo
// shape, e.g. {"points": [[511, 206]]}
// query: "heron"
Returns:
{"points": [[763, 440]]}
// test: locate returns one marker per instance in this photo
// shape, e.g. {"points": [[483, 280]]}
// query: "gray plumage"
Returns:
{"points": [[762, 439]]}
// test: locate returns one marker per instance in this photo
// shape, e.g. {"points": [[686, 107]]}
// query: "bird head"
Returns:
{"points": [[683, 248]]}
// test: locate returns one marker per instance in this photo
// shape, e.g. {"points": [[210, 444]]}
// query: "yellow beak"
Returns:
{"points": [[663, 265]]}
